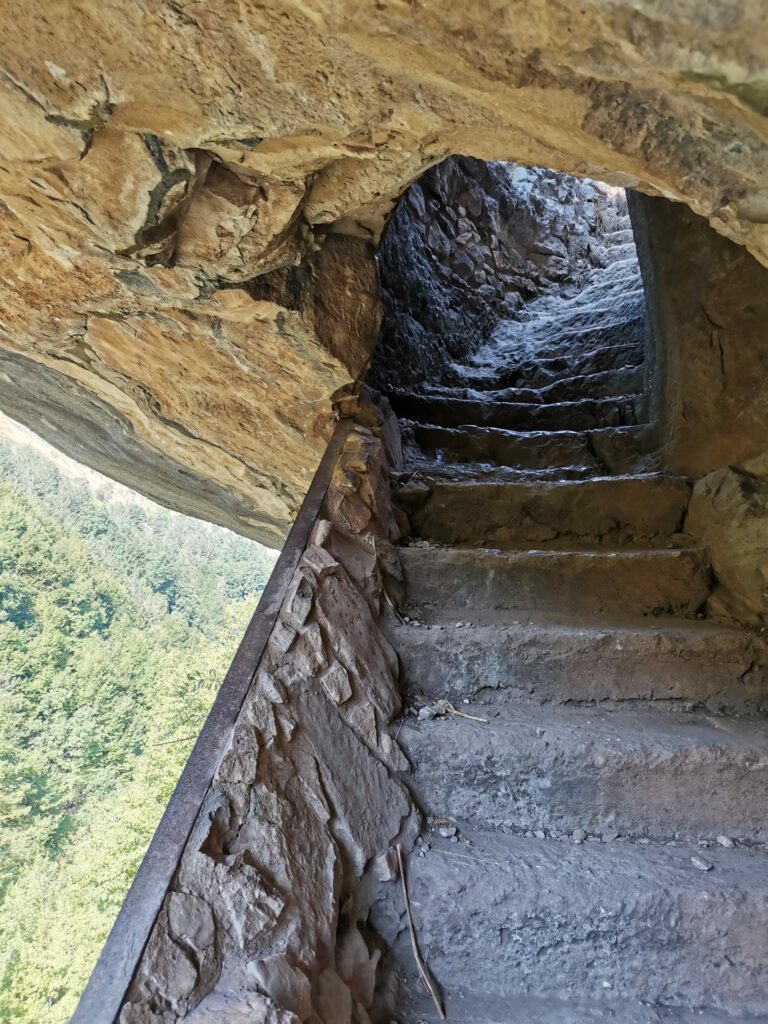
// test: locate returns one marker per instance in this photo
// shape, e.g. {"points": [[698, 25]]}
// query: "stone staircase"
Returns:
{"points": [[589, 752]]}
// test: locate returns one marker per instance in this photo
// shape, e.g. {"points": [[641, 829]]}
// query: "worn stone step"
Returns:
{"points": [[469, 1007], [684, 664], [627, 380], [514, 922], [644, 773], [625, 450], [622, 236], [643, 509], [582, 415], [452, 584], [545, 370], [418, 463], [489, 445], [600, 309]]}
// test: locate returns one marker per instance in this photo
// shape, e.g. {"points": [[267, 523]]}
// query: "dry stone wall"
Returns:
{"points": [[265, 919]]}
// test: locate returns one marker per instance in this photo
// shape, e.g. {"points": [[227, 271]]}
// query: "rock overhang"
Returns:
{"points": [[191, 196]]}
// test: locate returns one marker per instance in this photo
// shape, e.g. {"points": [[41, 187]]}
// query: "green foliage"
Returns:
{"points": [[117, 622]]}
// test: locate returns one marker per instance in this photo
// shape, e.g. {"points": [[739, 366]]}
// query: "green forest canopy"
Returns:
{"points": [[117, 622]]}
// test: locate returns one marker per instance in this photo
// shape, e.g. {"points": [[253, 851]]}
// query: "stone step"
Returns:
{"points": [[623, 236], [492, 446], [643, 773], [583, 415], [452, 584], [685, 664], [606, 384], [541, 371], [470, 1007], [628, 380], [639, 933], [592, 309], [418, 463], [610, 511]]}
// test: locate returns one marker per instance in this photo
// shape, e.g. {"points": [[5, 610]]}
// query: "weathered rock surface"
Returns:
{"points": [[469, 244], [159, 159], [729, 514], [707, 302], [596, 928]]}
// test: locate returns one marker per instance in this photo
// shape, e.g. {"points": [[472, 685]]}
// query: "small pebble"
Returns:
{"points": [[644, 841], [427, 714], [599, 761], [610, 837], [725, 841], [539, 731], [448, 831], [700, 863], [705, 843], [454, 839], [578, 835], [540, 834]]}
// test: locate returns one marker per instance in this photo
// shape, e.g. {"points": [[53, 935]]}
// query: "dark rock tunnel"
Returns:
{"points": [[513, 299]]}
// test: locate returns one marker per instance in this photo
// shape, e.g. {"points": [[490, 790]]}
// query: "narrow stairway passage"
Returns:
{"points": [[589, 752]]}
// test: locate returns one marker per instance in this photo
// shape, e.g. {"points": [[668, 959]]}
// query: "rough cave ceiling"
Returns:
{"points": [[190, 193]]}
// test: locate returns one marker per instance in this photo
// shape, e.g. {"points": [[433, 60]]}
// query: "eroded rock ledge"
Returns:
{"points": [[160, 159]]}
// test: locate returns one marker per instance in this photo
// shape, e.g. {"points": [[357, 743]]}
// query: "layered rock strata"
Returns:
{"points": [[161, 158]]}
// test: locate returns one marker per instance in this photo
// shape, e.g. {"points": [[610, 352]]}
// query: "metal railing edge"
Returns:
{"points": [[108, 984]]}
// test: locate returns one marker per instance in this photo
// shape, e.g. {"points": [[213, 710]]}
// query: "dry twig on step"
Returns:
{"points": [[422, 967], [462, 714]]}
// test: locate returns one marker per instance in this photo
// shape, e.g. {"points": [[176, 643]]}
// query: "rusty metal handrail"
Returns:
{"points": [[108, 984]]}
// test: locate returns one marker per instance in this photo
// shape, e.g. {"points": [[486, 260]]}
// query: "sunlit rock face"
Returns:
{"points": [[190, 196]]}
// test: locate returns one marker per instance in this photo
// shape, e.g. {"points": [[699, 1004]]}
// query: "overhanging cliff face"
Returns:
{"points": [[190, 196]]}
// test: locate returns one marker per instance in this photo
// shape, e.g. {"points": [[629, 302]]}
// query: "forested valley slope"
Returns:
{"points": [[117, 622]]}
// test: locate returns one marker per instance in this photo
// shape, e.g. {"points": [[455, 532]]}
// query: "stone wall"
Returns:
{"points": [[708, 302], [468, 245], [265, 919]]}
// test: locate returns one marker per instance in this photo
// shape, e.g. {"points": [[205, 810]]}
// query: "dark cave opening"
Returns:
{"points": [[513, 300]]}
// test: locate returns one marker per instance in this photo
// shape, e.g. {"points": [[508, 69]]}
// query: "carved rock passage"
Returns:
{"points": [[160, 158], [469, 245], [264, 920], [588, 747]]}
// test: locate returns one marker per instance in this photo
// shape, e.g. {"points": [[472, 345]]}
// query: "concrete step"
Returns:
{"points": [[638, 935], [491, 446], [583, 415], [685, 664], [604, 511], [451, 584], [645, 773]]}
